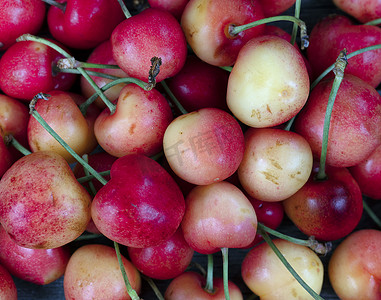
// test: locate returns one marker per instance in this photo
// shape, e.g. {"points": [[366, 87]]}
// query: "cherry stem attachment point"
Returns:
{"points": [[288, 266], [72, 63], [209, 275], [10, 140], [312, 243], [131, 292], [234, 30], [341, 64], [225, 271]]}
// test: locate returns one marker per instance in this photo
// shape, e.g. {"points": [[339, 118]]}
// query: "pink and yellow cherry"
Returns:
{"points": [[218, 216], [354, 268], [368, 175], [363, 11], [204, 146], [326, 209], [138, 124], [93, 272], [8, 289], [141, 205], [39, 266], [164, 261], [206, 25], [269, 83], [199, 85], [190, 285], [275, 7], [26, 69], [61, 112], [43, 206], [134, 45], [266, 276], [276, 163], [18, 18], [355, 125], [84, 24], [331, 35], [102, 54]]}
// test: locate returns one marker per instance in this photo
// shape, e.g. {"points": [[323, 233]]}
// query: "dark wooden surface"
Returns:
{"points": [[311, 12]]}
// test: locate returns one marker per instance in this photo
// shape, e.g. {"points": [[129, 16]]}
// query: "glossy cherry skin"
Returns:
{"points": [[368, 175], [164, 261], [355, 124], [18, 17], [329, 209], [275, 7], [190, 285], [363, 11], [26, 69], [206, 26], [331, 35], [199, 85], [8, 289], [141, 206], [134, 44], [85, 23], [39, 266]]}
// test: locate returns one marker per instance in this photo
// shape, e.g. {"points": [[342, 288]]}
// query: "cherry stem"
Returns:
{"points": [[340, 66], [198, 267], [371, 214], [29, 37], [373, 22], [125, 9], [234, 30], [131, 292], [153, 286], [90, 177], [72, 63], [319, 248], [288, 266], [10, 140], [226, 68], [225, 271], [350, 55], [173, 98], [83, 107], [61, 6], [295, 26], [44, 124], [91, 185], [91, 73], [209, 275]]}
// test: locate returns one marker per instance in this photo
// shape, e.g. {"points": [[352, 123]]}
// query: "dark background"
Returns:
{"points": [[311, 12]]}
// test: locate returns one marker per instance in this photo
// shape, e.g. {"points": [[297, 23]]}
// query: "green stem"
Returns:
{"points": [[350, 55], [196, 265], [234, 30], [38, 117], [153, 286], [29, 37], [61, 6], [173, 98], [289, 124], [288, 266], [340, 66], [373, 22], [130, 290], [83, 107], [371, 214], [225, 271], [311, 242], [125, 9], [96, 66], [295, 26], [227, 68], [10, 140], [90, 177], [91, 73], [209, 275], [91, 185]]}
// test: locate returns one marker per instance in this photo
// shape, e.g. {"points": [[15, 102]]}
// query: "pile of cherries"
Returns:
{"points": [[139, 138]]}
